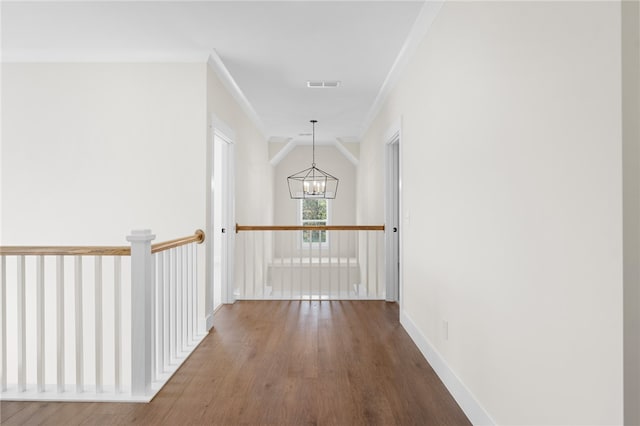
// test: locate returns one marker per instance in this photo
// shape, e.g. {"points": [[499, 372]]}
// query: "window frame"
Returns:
{"points": [[311, 245]]}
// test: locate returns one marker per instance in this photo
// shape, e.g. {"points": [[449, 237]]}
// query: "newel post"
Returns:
{"points": [[141, 299]]}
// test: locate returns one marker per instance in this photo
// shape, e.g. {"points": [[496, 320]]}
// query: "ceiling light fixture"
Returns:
{"points": [[312, 182]]}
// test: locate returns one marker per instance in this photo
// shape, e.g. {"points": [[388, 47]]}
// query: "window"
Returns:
{"points": [[314, 212]]}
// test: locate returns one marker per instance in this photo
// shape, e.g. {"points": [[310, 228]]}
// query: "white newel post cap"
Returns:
{"points": [[141, 235]]}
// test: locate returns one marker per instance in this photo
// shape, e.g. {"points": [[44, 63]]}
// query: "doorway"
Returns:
{"points": [[221, 218], [392, 214]]}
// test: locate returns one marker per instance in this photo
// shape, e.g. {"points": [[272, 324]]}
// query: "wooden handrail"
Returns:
{"points": [[65, 250], [198, 237], [309, 228]]}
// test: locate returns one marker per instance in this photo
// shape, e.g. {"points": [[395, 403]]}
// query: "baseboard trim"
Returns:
{"points": [[465, 399], [209, 322]]}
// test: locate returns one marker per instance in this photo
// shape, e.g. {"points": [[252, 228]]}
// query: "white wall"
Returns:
{"points": [[369, 192], [92, 151], [631, 205], [512, 201]]}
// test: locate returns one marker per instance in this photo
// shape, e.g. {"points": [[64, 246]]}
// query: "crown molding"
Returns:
{"points": [[421, 26], [217, 66], [114, 56]]}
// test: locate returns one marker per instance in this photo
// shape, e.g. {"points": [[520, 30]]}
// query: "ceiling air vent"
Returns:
{"points": [[321, 84]]}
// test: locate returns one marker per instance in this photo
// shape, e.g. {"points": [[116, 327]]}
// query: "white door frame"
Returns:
{"points": [[219, 129], [392, 213]]}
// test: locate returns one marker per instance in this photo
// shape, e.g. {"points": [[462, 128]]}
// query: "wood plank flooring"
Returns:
{"points": [[283, 363]]}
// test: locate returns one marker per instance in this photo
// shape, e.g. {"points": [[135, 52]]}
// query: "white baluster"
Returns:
{"points": [[194, 291], [161, 312], [167, 309], [263, 261], [359, 268], [117, 332], [154, 300], [172, 298], [310, 267], [185, 299], [22, 348], [40, 323], [195, 287], [299, 235], [292, 240], [60, 323], [3, 279], [187, 296], [179, 263], [330, 252], [244, 269], [190, 333], [377, 262], [339, 238], [253, 264], [141, 324], [194, 302], [78, 321], [98, 321], [281, 256], [320, 289], [367, 260], [349, 234]]}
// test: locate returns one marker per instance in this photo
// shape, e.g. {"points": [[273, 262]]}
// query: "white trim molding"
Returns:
{"points": [[218, 67], [217, 124], [463, 396], [392, 137], [208, 323], [81, 56], [423, 23]]}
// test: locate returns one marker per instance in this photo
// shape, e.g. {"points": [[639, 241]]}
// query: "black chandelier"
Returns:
{"points": [[312, 182]]}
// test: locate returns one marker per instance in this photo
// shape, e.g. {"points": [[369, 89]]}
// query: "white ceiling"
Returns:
{"points": [[270, 49]]}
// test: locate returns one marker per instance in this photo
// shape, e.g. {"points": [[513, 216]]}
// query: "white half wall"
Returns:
{"points": [[512, 205]]}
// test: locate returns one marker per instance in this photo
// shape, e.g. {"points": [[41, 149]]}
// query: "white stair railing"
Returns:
{"points": [[310, 262], [76, 328]]}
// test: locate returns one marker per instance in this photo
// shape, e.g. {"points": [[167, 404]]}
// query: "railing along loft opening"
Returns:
{"points": [[97, 323], [310, 262]]}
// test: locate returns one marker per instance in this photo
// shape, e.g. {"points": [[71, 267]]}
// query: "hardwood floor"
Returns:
{"points": [[284, 363]]}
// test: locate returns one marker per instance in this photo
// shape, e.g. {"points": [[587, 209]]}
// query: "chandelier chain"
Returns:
{"points": [[313, 142]]}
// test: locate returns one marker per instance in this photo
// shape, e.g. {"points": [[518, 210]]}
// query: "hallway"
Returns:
{"points": [[283, 362]]}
